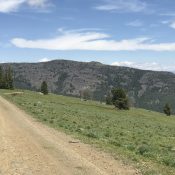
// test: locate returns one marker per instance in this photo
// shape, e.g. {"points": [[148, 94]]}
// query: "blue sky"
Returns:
{"points": [[135, 33]]}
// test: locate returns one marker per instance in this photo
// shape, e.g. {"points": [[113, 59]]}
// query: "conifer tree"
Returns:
{"points": [[10, 78], [1, 77], [167, 109], [6, 78], [44, 88], [119, 99]]}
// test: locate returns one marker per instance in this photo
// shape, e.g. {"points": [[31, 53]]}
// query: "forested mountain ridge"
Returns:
{"points": [[146, 89]]}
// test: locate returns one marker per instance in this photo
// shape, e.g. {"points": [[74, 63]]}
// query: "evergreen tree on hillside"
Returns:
{"points": [[1, 78], [9, 78], [119, 99], [6, 78], [167, 109], [44, 88]]}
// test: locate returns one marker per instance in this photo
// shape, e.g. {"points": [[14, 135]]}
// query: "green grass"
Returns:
{"points": [[143, 138]]}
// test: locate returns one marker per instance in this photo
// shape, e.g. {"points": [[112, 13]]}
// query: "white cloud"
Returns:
{"points": [[172, 24], [10, 5], [136, 23], [144, 66], [44, 60], [168, 14], [165, 22], [70, 40], [123, 63], [37, 3], [7, 6], [123, 6]]}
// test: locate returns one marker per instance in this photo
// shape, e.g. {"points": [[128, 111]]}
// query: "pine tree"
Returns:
{"points": [[9, 78], [3, 84], [44, 88], [167, 109], [120, 99], [1, 77], [6, 78]]}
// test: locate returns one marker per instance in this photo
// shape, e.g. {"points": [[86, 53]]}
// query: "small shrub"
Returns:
{"points": [[92, 135], [53, 117], [51, 121], [107, 134], [45, 119], [115, 143], [60, 125], [130, 147], [88, 127], [143, 149], [121, 134], [169, 161]]}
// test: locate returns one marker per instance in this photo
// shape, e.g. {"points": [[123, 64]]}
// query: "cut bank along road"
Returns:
{"points": [[28, 147]]}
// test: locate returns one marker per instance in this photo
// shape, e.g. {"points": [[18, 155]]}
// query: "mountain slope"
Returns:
{"points": [[146, 89]]}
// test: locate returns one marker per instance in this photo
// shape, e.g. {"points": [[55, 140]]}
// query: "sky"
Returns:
{"points": [[134, 33]]}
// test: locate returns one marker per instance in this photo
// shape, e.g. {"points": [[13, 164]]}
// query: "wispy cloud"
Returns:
{"points": [[144, 65], [97, 41], [136, 23], [44, 60], [7, 6], [37, 3], [64, 31], [123, 5], [171, 14], [165, 22], [170, 23]]}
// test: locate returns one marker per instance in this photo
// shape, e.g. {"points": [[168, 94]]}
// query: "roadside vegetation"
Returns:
{"points": [[144, 138]]}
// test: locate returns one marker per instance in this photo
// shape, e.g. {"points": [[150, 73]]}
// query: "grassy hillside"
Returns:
{"points": [[141, 137]]}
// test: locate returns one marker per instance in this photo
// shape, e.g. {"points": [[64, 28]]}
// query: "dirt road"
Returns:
{"points": [[28, 147]]}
